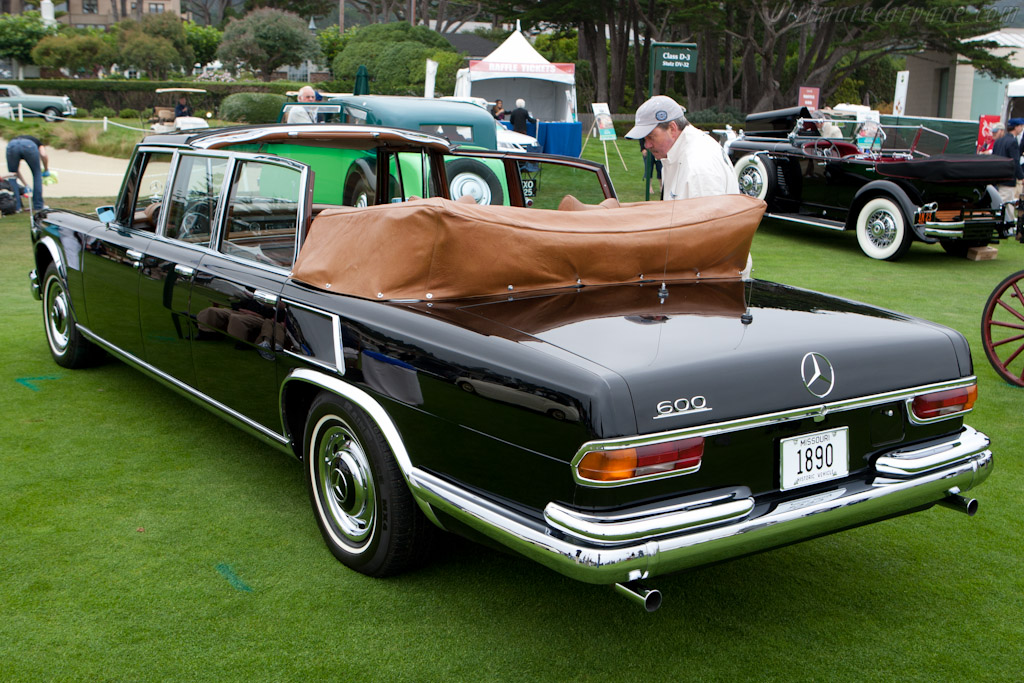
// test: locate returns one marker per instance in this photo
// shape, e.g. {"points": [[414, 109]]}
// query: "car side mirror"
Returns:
{"points": [[106, 213]]}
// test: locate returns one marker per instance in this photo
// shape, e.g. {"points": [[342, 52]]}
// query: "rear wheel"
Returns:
{"points": [[361, 195], [362, 504], [1002, 329], [756, 176], [882, 230], [470, 177], [67, 345]]}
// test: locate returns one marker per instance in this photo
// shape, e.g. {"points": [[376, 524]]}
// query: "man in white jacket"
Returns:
{"points": [[694, 164]]}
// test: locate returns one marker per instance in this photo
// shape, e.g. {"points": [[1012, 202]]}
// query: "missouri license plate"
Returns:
{"points": [[814, 458]]}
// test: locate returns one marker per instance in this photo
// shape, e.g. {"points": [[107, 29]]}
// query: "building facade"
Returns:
{"points": [[89, 13]]}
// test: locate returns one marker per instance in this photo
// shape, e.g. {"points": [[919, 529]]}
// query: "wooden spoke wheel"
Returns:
{"points": [[1002, 329]]}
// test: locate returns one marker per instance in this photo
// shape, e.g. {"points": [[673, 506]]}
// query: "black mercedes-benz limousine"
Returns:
{"points": [[599, 387]]}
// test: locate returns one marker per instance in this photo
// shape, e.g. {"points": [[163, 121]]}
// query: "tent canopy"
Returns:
{"points": [[516, 70]]}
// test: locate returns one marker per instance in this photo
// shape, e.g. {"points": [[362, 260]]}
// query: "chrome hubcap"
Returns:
{"points": [[751, 182], [57, 318], [346, 484], [473, 185], [881, 228]]}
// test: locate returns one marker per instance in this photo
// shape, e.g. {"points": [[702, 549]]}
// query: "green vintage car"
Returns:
{"points": [[461, 123], [50, 107]]}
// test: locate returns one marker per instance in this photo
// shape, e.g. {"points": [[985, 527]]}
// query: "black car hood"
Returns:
{"points": [[739, 345]]}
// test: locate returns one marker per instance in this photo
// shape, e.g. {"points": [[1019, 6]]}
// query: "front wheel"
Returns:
{"points": [[471, 177], [882, 230], [50, 114], [1002, 329], [67, 345], [362, 504]]}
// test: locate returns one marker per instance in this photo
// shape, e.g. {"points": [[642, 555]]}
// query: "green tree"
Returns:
{"points": [[152, 54], [373, 46], [265, 40], [169, 26], [19, 33], [81, 53], [204, 41], [332, 41]]}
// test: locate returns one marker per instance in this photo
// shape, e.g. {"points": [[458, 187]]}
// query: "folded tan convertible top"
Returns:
{"points": [[440, 249]]}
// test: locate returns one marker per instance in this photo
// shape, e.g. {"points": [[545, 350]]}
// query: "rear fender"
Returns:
{"points": [[877, 188]]}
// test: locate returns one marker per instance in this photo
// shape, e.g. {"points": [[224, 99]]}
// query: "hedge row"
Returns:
{"points": [[118, 94]]}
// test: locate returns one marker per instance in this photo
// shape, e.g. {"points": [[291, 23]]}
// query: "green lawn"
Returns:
{"points": [[143, 539]]}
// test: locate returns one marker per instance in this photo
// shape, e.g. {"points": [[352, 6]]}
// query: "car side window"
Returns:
{"points": [[194, 198], [263, 213], [148, 191]]}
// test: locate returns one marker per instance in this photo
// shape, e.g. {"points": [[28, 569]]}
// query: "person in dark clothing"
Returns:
{"points": [[520, 116], [1006, 146], [183, 108], [34, 152], [498, 110]]}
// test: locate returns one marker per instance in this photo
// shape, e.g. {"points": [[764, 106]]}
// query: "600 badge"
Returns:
{"points": [[681, 406]]}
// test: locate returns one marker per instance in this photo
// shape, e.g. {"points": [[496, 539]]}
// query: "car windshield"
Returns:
{"points": [[872, 136]]}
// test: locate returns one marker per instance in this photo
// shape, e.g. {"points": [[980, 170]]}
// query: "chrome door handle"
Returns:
{"points": [[184, 271], [135, 256], [265, 297]]}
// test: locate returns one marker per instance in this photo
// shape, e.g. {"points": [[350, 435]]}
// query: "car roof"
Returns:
{"points": [[410, 112], [222, 137]]}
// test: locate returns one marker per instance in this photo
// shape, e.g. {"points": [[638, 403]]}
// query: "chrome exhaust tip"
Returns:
{"points": [[954, 501], [649, 598]]}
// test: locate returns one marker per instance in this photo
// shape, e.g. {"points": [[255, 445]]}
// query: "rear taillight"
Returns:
{"points": [[943, 403], [622, 464]]}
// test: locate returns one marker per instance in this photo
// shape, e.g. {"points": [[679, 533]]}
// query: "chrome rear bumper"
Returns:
{"points": [[623, 547]]}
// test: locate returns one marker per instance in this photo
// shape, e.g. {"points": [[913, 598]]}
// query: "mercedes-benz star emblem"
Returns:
{"points": [[817, 373]]}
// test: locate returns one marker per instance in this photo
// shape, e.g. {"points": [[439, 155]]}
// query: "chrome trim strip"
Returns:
{"points": [[614, 529], [788, 522], [246, 424], [56, 254], [754, 422], [374, 410], [831, 225]]}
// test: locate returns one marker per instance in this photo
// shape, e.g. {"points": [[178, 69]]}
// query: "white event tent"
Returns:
{"points": [[516, 70]]}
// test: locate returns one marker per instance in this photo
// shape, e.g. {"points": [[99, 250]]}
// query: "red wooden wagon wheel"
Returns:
{"points": [[1002, 329]]}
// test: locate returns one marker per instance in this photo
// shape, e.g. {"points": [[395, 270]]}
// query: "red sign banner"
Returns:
{"points": [[517, 68]]}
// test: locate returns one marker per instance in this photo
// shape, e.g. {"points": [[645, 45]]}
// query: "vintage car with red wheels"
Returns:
{"points": [[891, 185], [599, 387]]}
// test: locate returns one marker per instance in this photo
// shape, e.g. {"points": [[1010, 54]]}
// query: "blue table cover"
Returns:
{"points": [[555, 137]]}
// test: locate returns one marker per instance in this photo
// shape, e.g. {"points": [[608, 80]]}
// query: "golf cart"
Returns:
{"points": [[164, 120]]}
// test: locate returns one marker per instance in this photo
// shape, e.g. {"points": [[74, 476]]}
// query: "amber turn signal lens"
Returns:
{"points": [[629, 463], [940, 403]]}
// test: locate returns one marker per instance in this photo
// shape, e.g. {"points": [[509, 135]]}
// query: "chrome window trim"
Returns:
{"points": [[715, 429], [339, 352]]}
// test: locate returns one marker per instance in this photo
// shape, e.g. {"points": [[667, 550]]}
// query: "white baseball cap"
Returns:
{"points": [[658, 109]]}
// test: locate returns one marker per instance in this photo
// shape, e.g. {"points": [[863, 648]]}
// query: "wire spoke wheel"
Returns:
{"points": [[1002, 329]]}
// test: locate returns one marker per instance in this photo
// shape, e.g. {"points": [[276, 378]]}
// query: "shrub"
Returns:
{"points": [[100, 112], [128, 113], [252, 107]]}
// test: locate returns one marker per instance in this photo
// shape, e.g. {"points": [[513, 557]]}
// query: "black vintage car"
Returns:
{"points": [[890, 184], [597, 386]]}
